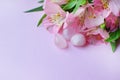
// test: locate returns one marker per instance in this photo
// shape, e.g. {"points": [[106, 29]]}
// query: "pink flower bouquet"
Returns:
{"points": [[81, 22]]}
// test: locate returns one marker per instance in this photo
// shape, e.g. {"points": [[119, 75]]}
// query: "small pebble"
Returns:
{"points": [[78, 40], [60, 41]]}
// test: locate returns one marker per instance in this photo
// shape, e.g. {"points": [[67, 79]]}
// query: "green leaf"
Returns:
{"points": [[82, 2], [40, 21], [113, 45], [90, 1], [41, 1], [79, 3], [102, 26], [35, 9], [114, 36], [70, 5]]}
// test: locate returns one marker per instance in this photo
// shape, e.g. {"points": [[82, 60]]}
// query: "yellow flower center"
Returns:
{"points": [[105, 3], [57, 19]]}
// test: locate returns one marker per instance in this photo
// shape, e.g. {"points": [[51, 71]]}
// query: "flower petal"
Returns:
{"points": [[115, 6], [93, 22], [52, 8]]}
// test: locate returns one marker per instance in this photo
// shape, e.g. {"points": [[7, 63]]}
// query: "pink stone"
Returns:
{"points": [[60, 41]]}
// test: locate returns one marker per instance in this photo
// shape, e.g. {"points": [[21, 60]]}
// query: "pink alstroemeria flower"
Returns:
{"points": [[96, 35], [96, 14], [112, 22], [95, 31], [94, 17], [54, 22], [55, 17]]}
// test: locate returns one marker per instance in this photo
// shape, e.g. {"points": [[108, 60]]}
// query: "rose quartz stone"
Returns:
{"points": [[60, 41]]}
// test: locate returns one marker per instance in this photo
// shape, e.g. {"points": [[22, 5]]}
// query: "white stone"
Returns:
{"points": [[78, 40], [60, 41]]}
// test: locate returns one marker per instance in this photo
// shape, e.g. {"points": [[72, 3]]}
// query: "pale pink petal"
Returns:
{"points": [[93, 22], [66, 18], [52, 8], [115, 6], [105, 13], [80, 11], [60, 2], [48, 25], [56, 28], [104, 34], [71, 21]]}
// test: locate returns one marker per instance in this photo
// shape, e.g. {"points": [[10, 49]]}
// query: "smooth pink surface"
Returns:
{"points": [[29, 53]]}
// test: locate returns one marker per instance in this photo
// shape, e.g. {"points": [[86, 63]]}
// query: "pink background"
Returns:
{"points": [[29, 53]]}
